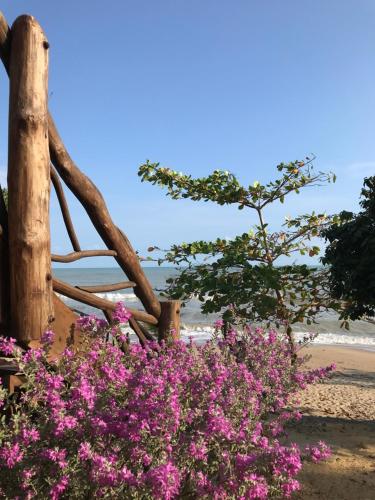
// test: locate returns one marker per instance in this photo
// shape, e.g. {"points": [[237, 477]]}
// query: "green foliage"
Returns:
{"points": [[351, 257], [5, 196], [244, 272]]}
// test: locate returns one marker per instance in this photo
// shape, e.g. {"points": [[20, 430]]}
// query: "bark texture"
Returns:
{"points": [[29, 182]]}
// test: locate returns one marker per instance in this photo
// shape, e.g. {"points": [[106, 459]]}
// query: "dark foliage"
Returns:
{"points": [[351, 257]]}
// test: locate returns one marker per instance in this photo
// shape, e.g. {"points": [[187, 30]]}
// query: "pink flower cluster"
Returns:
{"points": [[156, 422]]}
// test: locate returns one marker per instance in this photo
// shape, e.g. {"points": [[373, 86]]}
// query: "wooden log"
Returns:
{"points": [[138, 331], [95, 301], [64, 209], [4, 269], [107, 288], [73, 256], [29, 182], [91, 199], [169, 321], [4, 42]]}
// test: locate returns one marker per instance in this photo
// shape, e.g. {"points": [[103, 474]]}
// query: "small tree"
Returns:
{"points": [[351, 257], [242, 277]]}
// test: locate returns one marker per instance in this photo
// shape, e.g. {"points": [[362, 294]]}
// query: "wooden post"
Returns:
{"points": [[169, 321], [29, 182]]}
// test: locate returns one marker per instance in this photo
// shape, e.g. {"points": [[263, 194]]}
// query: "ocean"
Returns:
{"points": [[198, 326]]}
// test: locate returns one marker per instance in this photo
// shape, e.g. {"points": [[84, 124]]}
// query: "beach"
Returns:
{"points": [[340, 411]]}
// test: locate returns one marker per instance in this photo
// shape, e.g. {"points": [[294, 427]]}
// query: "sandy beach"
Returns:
{"points": [[340, 411]]}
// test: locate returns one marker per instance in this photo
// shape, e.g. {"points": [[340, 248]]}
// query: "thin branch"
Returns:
{"points": [[64, 209], [71, 257], [106, 288]]}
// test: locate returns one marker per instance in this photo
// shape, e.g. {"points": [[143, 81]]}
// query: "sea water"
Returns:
{"points": [[200, 326]]}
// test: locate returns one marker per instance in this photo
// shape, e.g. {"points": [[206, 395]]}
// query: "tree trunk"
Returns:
{"points": [[29, 182]]}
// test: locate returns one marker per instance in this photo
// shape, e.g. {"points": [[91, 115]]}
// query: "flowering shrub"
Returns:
{"points": [[164, 422]]}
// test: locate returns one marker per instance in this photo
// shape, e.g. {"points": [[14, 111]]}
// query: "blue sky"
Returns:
{"points": [[198, 85]]}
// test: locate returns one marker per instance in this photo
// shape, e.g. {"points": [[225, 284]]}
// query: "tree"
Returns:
{"points": [[242, 277], [350, 255]]}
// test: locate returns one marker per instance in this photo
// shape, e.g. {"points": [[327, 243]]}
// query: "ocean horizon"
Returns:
{"points": [[200, 326]]}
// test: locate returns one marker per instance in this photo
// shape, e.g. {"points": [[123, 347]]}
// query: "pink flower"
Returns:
{"points": [[7, 345], [29, 435], [121, 314], [164, 481], [11, 455], [198, 451], [290, 487], [47, 337], [319, 452], [219, 323], [84, 451], [59, 488]]}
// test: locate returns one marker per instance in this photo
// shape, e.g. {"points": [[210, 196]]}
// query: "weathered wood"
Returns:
{"points": [[64, 328], [90, 197], [107, 288], [4, 42], [169, 321], [145, 332], [73, 256], [4, 269], [95, 301], [64, 209], [93, 202], [29, 182], [138, 331]]}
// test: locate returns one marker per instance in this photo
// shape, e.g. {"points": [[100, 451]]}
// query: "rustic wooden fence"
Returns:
{"points": [[38, 158]]}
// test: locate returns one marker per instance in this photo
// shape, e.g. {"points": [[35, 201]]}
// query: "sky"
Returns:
{"points": [[201, 85]]}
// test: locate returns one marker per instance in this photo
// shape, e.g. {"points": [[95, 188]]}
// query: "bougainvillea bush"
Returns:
{"points": [[164, 422]]}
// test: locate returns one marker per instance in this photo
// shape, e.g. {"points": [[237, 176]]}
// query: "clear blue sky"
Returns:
{"points": [[197, 85]]}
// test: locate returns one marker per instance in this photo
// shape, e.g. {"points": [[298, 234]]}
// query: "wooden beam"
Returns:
{"points": [[71, 257], [169, 321], [64, 209], [29, 182], [95, 301], [91, 199], [107, 288]]}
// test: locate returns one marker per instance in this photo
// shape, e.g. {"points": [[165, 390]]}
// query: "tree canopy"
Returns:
{"points": [[243, 277], [350, 255]]}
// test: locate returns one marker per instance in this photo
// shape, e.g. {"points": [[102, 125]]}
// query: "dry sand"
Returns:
{"points": [[340, 411]]}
